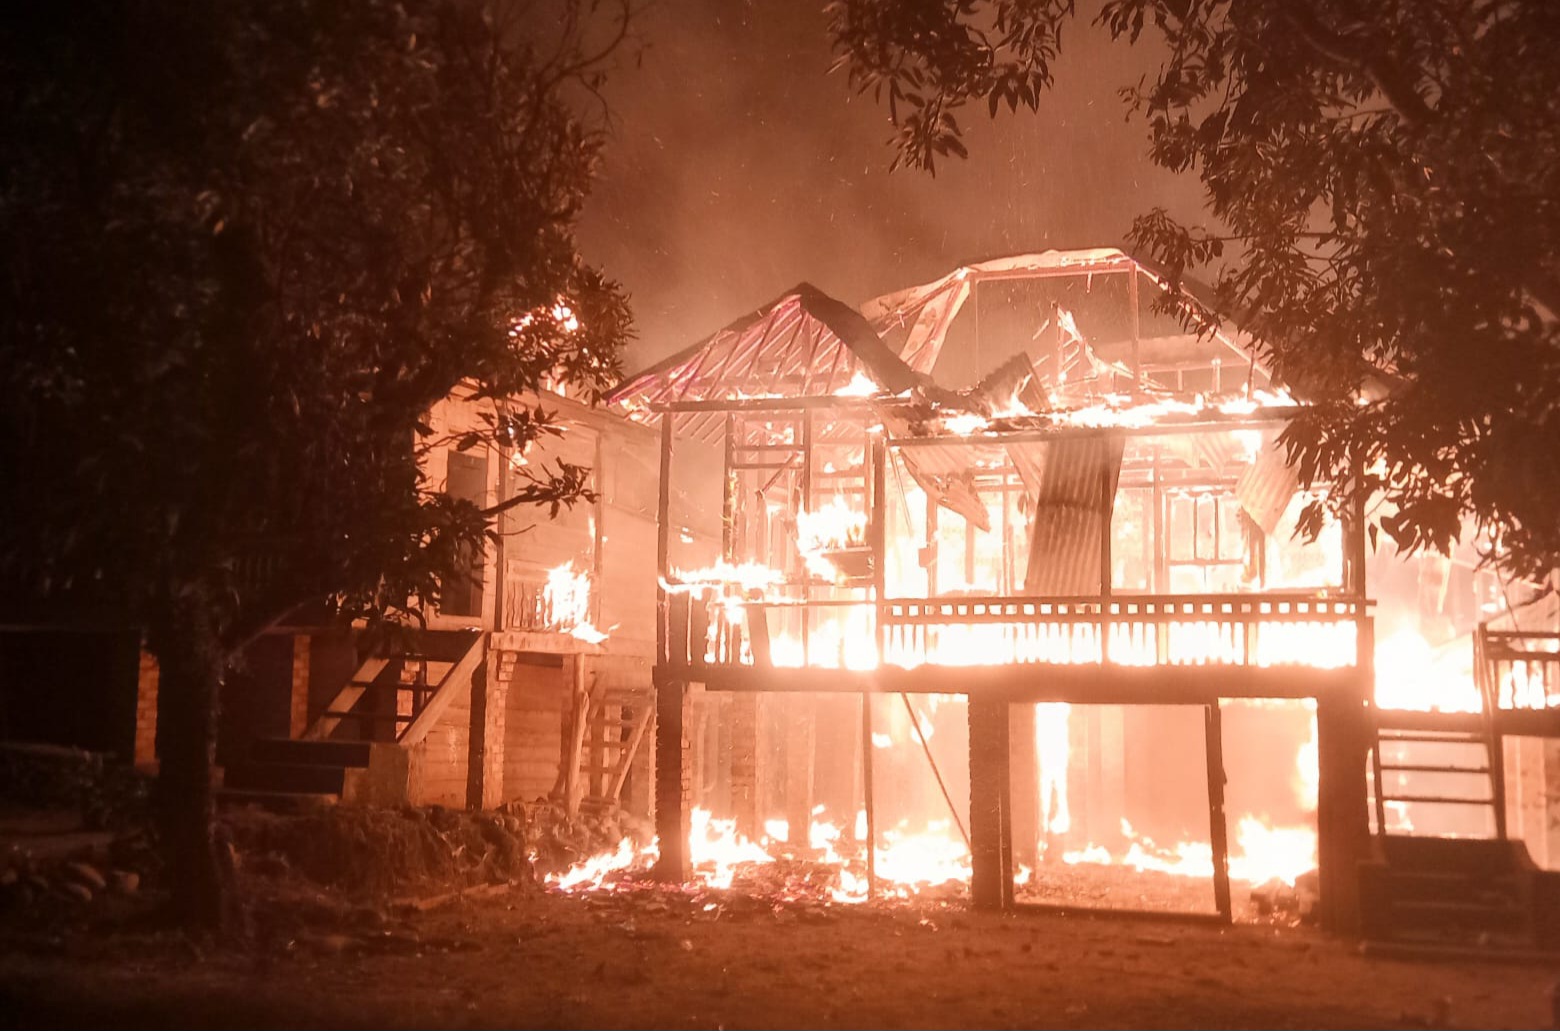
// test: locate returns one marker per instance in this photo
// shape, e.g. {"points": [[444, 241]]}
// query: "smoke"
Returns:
{"points": [[739, 166]]}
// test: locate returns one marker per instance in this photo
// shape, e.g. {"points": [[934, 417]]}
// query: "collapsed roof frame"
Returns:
{"points": [[926, 312], [805, 343]]}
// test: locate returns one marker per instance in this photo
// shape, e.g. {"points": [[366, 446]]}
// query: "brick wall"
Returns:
{"points": [[493, 750], [535, 698], [298, 708]]}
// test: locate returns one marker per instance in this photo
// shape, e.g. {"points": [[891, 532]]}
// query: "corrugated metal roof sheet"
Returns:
{"points": [[1266, 487], [947, 474], [1071, 483], [1074, 496]]}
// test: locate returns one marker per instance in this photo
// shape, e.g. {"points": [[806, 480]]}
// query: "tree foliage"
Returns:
{"points": [[246, 246], [1385, 217]]}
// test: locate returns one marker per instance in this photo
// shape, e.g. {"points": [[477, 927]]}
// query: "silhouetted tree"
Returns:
{"points": [[1385, 194], [246, 246]]}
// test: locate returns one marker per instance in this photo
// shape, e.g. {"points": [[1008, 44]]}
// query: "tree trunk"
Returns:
{"points": [[199, 868]]}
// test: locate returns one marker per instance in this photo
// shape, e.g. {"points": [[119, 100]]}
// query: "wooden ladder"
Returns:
{"points": [[1474, 737], [1463, 751], [605, 727]]}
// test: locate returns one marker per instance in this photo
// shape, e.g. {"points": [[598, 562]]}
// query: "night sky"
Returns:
{"points": [[739, 166]]}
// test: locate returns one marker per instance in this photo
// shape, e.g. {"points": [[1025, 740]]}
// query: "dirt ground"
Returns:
{"points": [[651, 957]]}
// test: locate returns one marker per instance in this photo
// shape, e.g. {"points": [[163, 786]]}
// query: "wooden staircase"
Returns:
{"points": [[604, 728], [1458, 890], [393, 692], [286, 773], [1480, 885], [357, 749], [1438, 760]]}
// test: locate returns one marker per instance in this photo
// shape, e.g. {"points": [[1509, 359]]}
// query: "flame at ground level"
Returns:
{"points": [[1262, 854], [909, 863]]}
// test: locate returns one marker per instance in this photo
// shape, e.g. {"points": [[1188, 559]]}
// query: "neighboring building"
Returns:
{"points": [[530, 679]]}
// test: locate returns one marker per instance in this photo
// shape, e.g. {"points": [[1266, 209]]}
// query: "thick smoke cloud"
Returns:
{"points": [[739, 166]]}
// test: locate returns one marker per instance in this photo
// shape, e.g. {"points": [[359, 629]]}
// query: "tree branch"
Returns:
{"points": [[1391, 80]]}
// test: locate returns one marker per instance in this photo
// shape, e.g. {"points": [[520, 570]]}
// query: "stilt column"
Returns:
{"points": [[672, 785], [1343, 742], [991, 830]]}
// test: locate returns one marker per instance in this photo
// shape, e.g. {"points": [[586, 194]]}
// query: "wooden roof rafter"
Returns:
{"points": [[803, 343], [925, 313]]}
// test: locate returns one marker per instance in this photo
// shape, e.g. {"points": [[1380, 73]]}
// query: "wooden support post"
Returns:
{"points": [[800, 747], [671, 783], [598, 526], [1354, 547], [579, 709], [728, 494], [501, 581], [671, 814], [485, 769], [1344, 734], [1161, 581], [1006, 577], [1107, 503], [991, 839], [877, 456], [596, 738], [1497, 763], [970, 530], [1132, 309], [663, 542], [807, 506], [1218, 830], [866, 792]]}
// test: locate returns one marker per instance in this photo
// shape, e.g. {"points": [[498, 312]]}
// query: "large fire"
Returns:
{"points": [[911, 860], [1410, 674], [825, 532], [1245, 601], [566, 597]]}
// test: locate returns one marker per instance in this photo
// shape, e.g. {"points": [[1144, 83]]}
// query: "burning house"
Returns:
{"points": [[999, 576]]}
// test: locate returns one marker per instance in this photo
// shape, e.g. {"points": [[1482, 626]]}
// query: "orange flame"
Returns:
{"points": [[567, 597]]}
